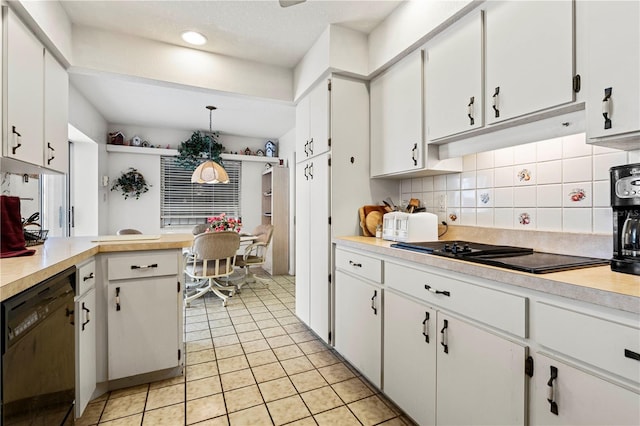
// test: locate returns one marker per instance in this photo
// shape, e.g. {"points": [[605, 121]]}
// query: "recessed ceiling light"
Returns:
{"points": [[193, 37]]}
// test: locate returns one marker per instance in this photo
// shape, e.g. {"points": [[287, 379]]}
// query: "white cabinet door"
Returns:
{"points": [[319, 119], [481, 377], [303, 244], [578, 398], [56, 117], [143, 325], [358, 310], [613, 62], [410, 357], [302, 129], [85, 328], [529, 57], [312, 123], [396, 117], [453, 80], [320, 245], [24, 67]]}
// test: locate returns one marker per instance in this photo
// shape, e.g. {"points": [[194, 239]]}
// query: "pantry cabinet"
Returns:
{"points": [[529, 57], [453, 82], [312, 123], [275, 211], [143, 304], [330, 187], [397, 142], [612, 70], [313, 243]]}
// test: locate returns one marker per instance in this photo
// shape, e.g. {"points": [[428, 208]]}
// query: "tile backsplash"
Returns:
{"points": [[557, 185]]}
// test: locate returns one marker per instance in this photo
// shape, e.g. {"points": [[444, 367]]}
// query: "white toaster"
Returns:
{"points": [[410, 227]]}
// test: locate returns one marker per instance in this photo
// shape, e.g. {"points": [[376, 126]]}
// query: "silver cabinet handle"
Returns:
{"points": [[17, 137], [311, 146], [551, 391], [425, 327], [53, 151], [606, 107], [496, 102], [154, 265], [117, 298], [433, 290], [86, 316], [445, 336], [373, 302], [414, 154], [470, 111], [357, 265], [88, 277]]}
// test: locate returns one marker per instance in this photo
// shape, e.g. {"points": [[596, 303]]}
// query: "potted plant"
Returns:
{"points": [[198, 148], [131, 183]]}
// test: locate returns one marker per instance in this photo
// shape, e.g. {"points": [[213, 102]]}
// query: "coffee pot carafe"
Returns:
{"points": [[625, 202]]}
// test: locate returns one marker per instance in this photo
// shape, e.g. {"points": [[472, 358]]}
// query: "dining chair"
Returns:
{"points": [[254, 255], [212, 257], [199, 228], [128, 231]]}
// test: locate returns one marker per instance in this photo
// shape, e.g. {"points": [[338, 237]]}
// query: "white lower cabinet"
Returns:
{"points": [[143, 300], [443, 370], [358, 324], [565, 395], [85, 339]]}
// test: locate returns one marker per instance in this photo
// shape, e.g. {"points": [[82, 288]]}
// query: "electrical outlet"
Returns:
{"points": [[442, 203]]}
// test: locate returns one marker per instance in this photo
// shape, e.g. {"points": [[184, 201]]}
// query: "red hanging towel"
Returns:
{"points": [[11, 233]]}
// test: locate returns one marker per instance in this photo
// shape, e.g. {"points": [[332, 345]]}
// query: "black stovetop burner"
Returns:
{"points": [[516, 258]]}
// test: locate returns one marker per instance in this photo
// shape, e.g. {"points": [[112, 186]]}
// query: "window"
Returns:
{"points": [[184, 203]]}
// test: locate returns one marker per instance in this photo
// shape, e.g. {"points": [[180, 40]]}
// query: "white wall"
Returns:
{"points": [[100, 50], [86, 188]]}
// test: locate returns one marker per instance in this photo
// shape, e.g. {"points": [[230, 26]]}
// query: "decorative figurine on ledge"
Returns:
{"points": [[270, 149]]}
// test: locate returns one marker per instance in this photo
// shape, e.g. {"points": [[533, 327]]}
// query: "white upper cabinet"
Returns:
{"points": [[529, 57], [56, 117], [312, 123], [453, 79], [396, 118], [612, 77], [24, 88]]}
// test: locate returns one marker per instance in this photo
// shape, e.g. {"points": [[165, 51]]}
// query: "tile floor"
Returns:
{"points": [[251, 363]]}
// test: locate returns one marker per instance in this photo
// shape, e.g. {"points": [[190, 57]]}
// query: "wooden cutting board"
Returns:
{"points": [[364, 212]]}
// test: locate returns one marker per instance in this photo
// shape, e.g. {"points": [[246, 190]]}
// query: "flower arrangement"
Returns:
{"points": [[224, 223], [131, 184]]}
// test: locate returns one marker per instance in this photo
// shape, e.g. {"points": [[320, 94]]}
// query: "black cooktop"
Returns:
{"points": [[516, 258]]}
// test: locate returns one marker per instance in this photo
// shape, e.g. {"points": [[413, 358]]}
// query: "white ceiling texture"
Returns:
{"points": [[260, 31]]}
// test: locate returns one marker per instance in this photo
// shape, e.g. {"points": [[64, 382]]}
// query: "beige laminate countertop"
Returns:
{"points": [[57, 254], [598, 285]]}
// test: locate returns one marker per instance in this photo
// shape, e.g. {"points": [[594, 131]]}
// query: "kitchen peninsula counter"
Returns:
{"points": [[57, 254], [598, 285]]}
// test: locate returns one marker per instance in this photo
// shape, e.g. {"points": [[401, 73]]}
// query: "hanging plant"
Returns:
{"points": [[198, 148], [131, 183]]}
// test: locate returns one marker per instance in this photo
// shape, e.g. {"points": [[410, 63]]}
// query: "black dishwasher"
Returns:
{"points": [[38, 350]]}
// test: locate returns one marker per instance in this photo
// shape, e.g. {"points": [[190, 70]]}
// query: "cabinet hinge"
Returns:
{"points": [[329, 141], [528, 366], [329, 220], [329, 278], [329, 85], [330, 338], [329, 161], [179, 354], [178, 286], [576, 83]]}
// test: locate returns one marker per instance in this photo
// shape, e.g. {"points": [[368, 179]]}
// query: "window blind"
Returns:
{"points": [[186, 203]]}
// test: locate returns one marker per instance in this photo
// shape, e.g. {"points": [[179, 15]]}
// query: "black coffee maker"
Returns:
{"points": [[625, 202]]}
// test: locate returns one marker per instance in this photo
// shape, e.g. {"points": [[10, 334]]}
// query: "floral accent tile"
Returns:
{"points": [[485, 197], [524, 219], [577, 195], [524, 175]]}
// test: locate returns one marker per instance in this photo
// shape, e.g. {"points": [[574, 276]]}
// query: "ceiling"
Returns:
{"points": [[260, 31]]}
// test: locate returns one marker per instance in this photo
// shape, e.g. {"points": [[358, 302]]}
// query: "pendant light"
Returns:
{"points": [[210, 171]]}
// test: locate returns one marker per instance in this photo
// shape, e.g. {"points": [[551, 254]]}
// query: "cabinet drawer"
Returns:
{"points": [[359, 264], [86, 277], [597, 341], [493, 307], [152, 264]]}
